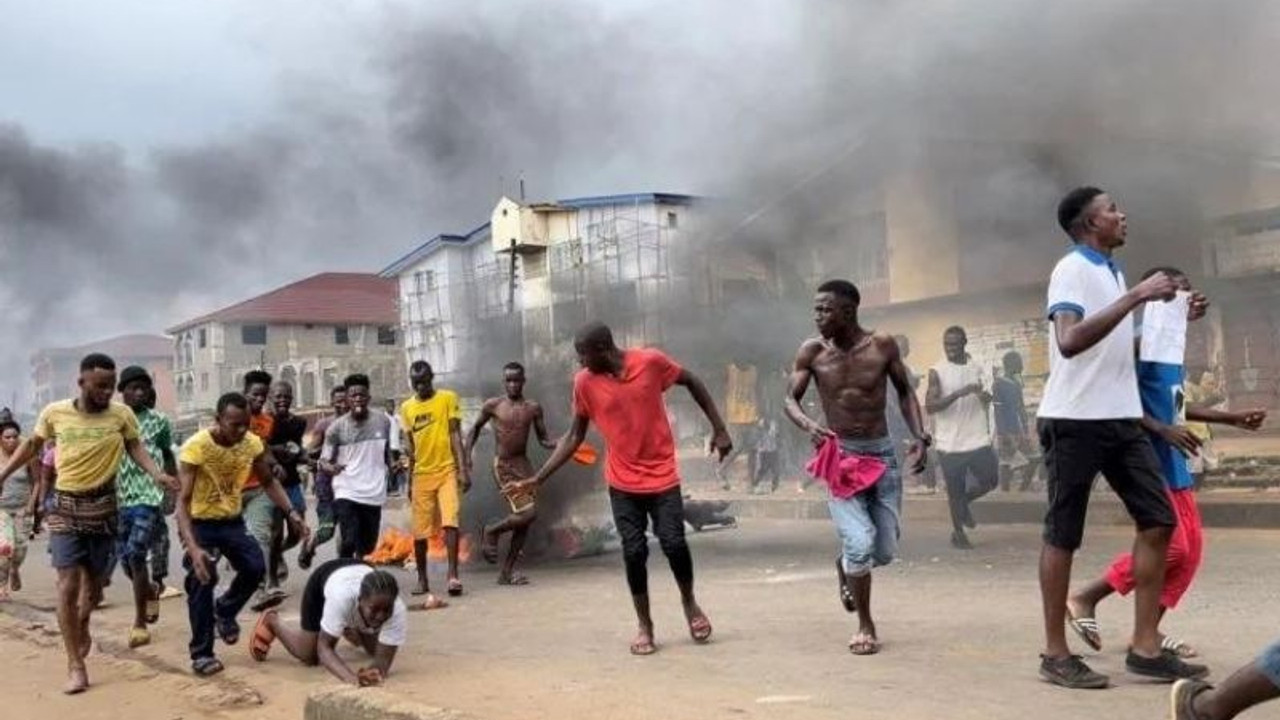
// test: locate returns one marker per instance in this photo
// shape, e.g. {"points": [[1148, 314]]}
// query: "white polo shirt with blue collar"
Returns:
{"points": [[1100, 383]]}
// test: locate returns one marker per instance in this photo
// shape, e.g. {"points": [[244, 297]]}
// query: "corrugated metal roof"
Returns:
{"points": [[324, 299], [431, 246]]}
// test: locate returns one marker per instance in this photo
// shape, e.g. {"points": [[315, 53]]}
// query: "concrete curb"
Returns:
{"points": [[348, 703]]}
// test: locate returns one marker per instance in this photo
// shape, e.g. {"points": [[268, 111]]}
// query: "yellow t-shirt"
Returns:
{"points": [[221, 473], [90, 445], [427, 422]]}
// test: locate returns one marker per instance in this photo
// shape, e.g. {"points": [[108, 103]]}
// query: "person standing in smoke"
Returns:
{"points": [[852, 367], [436, 454], [1089, 424], [958, 399], [323, 484], [1013, 436], [621, 391], [513, 416]]}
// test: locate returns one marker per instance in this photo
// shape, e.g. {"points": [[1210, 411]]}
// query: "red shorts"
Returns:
{"points": [[1186, 549]]}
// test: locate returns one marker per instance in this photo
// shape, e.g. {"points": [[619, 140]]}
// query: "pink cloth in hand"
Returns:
{"points": [[846, 475]]}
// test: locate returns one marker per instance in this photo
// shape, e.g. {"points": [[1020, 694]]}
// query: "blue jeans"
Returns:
{"points": [[226, 538], [869, 523], [1269, 663]]}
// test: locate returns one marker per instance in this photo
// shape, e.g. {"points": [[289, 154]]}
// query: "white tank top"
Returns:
{"points": [[964, 425]]}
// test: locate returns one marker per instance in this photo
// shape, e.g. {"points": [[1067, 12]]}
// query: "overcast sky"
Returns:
{"points": [[162, 159]]}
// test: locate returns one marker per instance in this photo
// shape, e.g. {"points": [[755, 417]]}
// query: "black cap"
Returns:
{"points": [[131, 373]]}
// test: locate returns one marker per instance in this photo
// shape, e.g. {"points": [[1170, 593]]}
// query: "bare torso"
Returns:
{"points": [[851, 383], [512, 421]]}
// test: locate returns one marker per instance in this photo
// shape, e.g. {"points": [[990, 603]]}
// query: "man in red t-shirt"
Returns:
{"points": [[621, 391]]}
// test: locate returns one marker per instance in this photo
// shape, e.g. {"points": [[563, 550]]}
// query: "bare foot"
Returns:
{"points": [[77, 681]]}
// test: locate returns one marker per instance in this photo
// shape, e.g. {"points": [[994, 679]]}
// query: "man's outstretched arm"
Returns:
{"points": [[720, 441]]}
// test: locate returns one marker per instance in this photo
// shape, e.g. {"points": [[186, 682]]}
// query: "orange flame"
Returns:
{"points": [[436, 549]]}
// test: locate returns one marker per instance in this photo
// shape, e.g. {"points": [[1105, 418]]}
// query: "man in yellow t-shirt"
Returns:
{"points": [[93, 434], [432, 424], [214, 465]]}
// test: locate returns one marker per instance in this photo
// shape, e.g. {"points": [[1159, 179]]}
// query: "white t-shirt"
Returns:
{"points": [[361, 447], [342, 608], [1100, 383], [964, 425]]}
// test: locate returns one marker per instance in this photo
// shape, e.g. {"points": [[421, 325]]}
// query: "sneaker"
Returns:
{"points": [[960, 541], [1071, 672], [1166, 666], [1182, 697]]}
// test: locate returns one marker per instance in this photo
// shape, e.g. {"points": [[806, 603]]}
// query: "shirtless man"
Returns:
{"points": [[512, 418], [850, 365]]}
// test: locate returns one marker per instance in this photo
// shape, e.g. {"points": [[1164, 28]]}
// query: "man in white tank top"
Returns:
{"points": [[959, 397]]}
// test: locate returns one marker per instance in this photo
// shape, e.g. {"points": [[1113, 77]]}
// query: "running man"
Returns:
{"points": [[512, 417], [1089, 424], [140, 502], [357, 448], [853, 367], [1161, 375], [17, 509], [621, 392], [958, 398], [258, 510], [214, 466], [322, 485], [433, 422], [1247, 687], [92, 434], [344, 598], [287, 434]]}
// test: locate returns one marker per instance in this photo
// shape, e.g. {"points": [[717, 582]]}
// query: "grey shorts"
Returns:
{"points": [[92, 552]]}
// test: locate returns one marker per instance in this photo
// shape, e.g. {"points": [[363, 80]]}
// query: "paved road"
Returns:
{"points": [[961, 635]]}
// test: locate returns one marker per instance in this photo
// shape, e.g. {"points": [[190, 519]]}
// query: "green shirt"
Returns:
{"points": [[133, 485]]}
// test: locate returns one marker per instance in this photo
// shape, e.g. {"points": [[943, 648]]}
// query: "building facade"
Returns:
{"points": [[311, 333], [54, 371]]}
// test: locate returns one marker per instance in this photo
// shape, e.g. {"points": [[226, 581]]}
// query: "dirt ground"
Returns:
{"points": [[961, 634]]}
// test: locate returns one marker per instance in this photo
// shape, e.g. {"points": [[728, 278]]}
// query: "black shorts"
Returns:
{"points": [[94, 552], [1075, 451], [313, 594]]}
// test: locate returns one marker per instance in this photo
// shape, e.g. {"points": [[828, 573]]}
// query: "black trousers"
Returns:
{"points": [[358, 526], [631, 514], [983, 465]]}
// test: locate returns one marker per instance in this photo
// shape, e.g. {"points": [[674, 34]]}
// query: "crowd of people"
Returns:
{"points": [[1114, 405]]}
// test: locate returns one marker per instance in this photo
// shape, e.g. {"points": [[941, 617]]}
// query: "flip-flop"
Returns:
{"points": [[228, 630], [643, 645], [206, 666], [863, 644], [516, 579], [260, 641], [700, 629], [1179, 648], [455, 588], [846, 596], [1087, 629], [431, 603], [139, 637], [271, 599], [419, 590]]}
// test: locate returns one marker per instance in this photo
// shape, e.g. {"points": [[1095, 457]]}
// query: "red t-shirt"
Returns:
{"points": [[640, 451]]}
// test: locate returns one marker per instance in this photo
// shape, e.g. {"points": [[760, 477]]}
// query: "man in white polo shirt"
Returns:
{"points": [[357, 447], [1089, 424]]}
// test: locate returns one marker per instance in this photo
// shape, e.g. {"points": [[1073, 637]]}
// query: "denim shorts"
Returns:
{"points": [[1269, 663], [869, 523], [138, 525], [94, 552]]}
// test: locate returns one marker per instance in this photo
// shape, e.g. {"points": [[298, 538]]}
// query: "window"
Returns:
{"points": [[204, 337], [204, 382], [341, 335], [253, 334], [672, 220], [386, 335]]}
